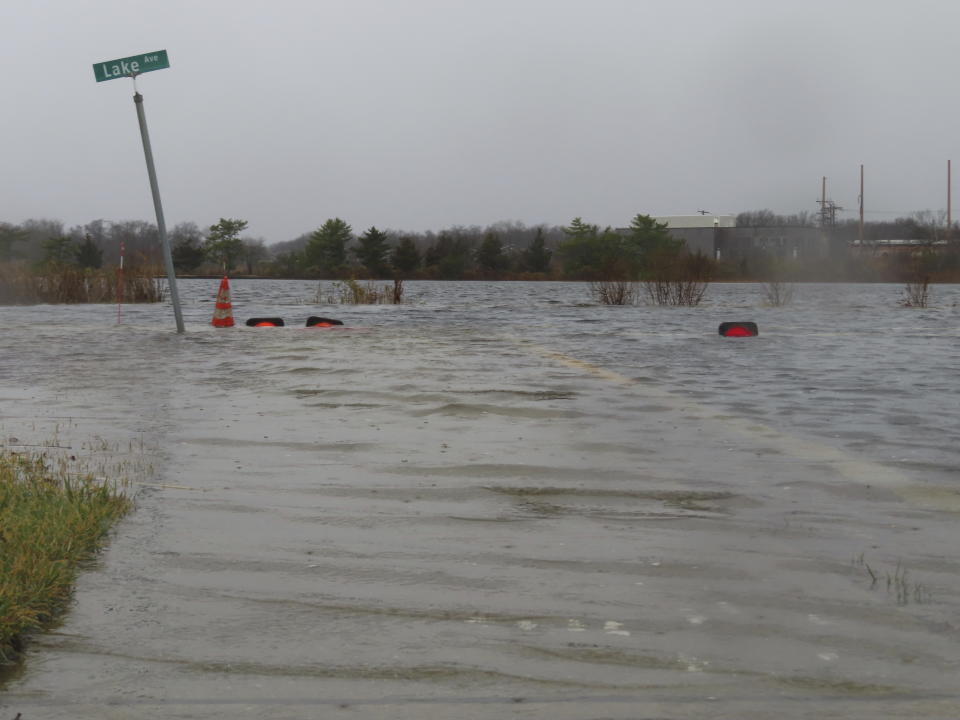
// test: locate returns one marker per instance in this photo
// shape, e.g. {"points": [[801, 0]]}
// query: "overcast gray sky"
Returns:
{"points": [[420, 114]]}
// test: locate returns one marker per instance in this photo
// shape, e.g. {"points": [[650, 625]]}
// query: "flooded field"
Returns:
{"points": [[500, 500]]}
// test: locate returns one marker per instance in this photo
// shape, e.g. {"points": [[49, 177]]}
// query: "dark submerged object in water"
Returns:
{"points": [[322, 322], [265, 322], [739, 329]]}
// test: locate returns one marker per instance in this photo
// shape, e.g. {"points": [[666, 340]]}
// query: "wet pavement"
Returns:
{"points": [[572, 515]]}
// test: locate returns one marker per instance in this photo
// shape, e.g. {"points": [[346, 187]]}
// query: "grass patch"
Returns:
{"points": [[52, 520], [21, 284]]}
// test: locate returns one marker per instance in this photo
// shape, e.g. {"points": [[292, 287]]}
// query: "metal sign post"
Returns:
{"points": [[158, 208], [131, 67]]}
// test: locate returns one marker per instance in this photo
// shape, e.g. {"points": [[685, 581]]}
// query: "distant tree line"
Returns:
{"points": [[100, 242], [503, 250], [580, 251]]}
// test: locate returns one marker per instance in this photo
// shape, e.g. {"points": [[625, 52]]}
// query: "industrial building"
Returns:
{"points": [[718, 236]]}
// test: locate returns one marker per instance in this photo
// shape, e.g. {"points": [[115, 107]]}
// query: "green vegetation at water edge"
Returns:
{"points": [[52, 520], [756, 246]]}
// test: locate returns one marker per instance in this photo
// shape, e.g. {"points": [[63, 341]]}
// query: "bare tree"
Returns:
{"points": [[916, 290], [677, 278], [253, 253], [615, 292]]}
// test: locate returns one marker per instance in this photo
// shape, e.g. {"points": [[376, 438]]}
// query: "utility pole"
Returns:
{"points": [[949, 194], [860, 232], [823, 203]]}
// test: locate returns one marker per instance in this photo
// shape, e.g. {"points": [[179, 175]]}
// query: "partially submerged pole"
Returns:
{"points": [[860, 233], [120, 286], [158, 207], [131, 67]]}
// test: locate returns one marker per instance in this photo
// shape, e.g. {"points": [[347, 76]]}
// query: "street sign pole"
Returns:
{"points": [[131, 67], [158, 207]]}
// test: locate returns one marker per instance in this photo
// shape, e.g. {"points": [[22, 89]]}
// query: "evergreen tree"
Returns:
{"points": [[88, 253], [648, 237], [58, 250], [405, 258], [224, 245], [655, 251], [289, 264], [371, 251], [536, 258], [580, 230], [594, 255], [578, 250], [188, 254], [489, 255], [326, 250], [187, 247], [448, 258], [10, 234]]}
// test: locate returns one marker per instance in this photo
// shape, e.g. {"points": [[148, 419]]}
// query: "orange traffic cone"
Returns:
{"points": [[223, 314]]}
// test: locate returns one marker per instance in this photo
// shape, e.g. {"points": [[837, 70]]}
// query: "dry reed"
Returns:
{"points": [[352, 292], [62, 284]]}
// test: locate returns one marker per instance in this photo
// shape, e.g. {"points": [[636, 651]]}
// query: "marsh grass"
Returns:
{"points": [[21, 284], [54, 516], [353, 292], [898, 584]]}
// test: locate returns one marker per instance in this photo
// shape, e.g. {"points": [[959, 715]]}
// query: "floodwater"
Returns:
{"points": [[501, 500]]}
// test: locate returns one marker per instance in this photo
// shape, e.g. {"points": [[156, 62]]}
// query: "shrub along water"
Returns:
{"points": [[352, 292], [614, 292], [22, 285], [51, 520], [677, 278]]}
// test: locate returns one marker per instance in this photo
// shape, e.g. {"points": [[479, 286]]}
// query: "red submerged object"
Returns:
{"points": [[265, 322], [739, 329], [322, 322]]}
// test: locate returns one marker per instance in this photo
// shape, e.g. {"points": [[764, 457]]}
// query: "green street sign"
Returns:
{"points": [[130, 66]]}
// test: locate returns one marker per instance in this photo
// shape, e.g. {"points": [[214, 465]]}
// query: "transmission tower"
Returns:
{"points": [[828, 209]]}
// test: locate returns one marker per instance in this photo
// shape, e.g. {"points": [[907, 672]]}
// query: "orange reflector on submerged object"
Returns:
{"points": [[265, 322], [739, 329], [322, 322]]}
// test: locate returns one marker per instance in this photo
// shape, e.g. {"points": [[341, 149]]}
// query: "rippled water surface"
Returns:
{"points": [[500, 499]]}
